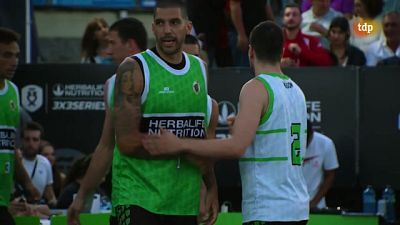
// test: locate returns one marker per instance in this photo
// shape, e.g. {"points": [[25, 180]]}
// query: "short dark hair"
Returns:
{"points": [[267, 41], [373, 7], [33, 126], [131, 28], [172, 4], [7, 36], [342, 23], [190, 39], [292, 5]]}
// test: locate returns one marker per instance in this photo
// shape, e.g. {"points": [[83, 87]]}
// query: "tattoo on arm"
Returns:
{"points": [[127, 105]]}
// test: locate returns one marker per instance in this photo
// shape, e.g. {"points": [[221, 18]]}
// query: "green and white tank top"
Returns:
{"points": [[9, 121], [273, 185], [176, 100]]}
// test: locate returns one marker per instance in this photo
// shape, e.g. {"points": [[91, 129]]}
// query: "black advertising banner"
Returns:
{"points": [[331, 95], [67, 100], [380, 126]]}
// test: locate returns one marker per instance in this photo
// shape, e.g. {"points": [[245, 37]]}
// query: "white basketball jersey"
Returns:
{"points": [[273, 185]]}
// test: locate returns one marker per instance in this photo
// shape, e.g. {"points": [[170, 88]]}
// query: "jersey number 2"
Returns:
{"points": [[295, 131]]}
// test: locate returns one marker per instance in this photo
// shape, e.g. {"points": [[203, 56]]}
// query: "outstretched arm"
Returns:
{"points": [[253, 102]]}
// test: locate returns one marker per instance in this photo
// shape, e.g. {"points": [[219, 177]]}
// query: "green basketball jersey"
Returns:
{"points": [[9, 121], [176, 100]]}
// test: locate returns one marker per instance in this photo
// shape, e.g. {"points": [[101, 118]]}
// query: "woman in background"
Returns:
{"points": [[95, 43], [47, 150], [342, 52]]}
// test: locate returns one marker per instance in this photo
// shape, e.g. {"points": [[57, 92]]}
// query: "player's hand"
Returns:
{"points": [[166, 143], [74, 210], [211, 207]]}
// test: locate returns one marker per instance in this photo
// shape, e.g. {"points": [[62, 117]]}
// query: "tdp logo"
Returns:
{"points": [[363, 28]]}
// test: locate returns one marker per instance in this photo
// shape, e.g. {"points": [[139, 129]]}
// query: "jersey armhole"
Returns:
{"points": [[271, 98]]}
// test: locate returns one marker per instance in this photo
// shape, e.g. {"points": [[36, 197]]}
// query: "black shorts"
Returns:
{"points": [[303, 222], [6, 217], [135, 215]]}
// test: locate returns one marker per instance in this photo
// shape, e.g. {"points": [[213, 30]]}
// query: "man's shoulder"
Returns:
{"points": [[321, 138], [43, 160]]}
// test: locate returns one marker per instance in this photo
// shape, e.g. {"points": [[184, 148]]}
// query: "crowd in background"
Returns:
{"points": [[317, 32]]}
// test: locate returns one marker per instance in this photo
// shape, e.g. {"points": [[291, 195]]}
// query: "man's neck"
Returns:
{"points": [[291, 33], [267, 68], [29, 157], [319, 14], [173, 58]]}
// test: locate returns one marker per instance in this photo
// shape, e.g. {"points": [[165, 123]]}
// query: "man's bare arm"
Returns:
{"points": [[49, 195], [253, 102], [127, 98], [23, 178]]}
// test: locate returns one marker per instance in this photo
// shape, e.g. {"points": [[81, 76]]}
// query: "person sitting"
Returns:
{"points": [[388, 47], [47, 150], [366, 11], [300, 49], [343, 53], [72, 182], [316, 20]]}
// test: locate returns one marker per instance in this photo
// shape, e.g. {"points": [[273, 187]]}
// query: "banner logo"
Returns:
{"points": [[226, 109], [32, 97]]}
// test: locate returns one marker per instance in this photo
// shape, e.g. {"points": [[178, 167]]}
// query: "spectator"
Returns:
{"points": [[390, 46], [366, 10], [95, 42], [37, 166], [343, 53], [73, 181], [209, 20], [300, 49], [344, 6], [320, 163], [126, 37], [192, 46], [47, 150], [244, 15], [316, 20]]}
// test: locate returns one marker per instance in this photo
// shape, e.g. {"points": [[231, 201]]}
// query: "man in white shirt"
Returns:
{"points": [[319, 166], [317, 19], [390, 45], [36, 165]]}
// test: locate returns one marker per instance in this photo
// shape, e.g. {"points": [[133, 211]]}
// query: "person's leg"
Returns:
{"points": [[6, 217], [135, 215], [180, 220]]}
